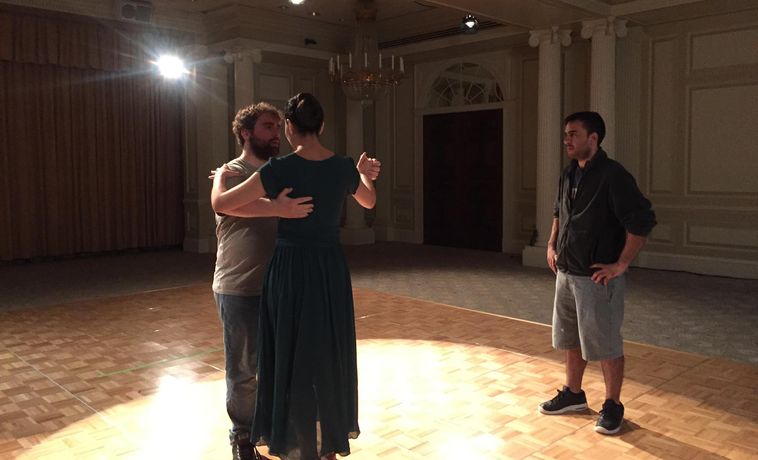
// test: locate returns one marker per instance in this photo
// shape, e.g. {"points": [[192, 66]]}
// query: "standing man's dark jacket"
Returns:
{"points": [[593, 225]]}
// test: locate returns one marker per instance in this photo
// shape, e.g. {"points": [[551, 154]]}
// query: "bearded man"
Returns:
{"points": [[245, 244]]}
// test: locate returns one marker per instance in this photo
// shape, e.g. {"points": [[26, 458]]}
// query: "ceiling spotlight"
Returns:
{"points": [[297, 2], [469, 24], [171, 67]]}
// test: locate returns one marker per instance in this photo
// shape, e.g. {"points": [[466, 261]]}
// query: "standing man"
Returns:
{"points": [[245, 245], [600, 223]]}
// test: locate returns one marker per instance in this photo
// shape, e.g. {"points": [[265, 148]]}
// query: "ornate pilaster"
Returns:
{"points": [[549, 121], [206, 138], [603, 33], [244, 61], [355, 230]]}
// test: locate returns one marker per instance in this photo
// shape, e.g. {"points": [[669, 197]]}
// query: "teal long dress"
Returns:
{"points": [[307, 402]]}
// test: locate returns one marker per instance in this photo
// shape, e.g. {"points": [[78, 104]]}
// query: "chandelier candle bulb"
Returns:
{"points": [[370, 80]]}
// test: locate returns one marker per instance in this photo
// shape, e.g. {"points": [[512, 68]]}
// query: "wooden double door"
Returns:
{"points": [[463, 179]]}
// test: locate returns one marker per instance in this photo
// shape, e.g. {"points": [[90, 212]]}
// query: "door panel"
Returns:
{"points": [[463, 180]]}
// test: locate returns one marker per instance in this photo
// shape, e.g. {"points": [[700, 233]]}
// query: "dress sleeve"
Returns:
{"points": [[270, 180], [351, 173]]}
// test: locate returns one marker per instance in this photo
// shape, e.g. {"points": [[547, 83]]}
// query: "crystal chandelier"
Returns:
{"points": [[364, 76]]}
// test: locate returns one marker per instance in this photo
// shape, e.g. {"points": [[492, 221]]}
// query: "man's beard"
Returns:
{"points": [[263, 150]]}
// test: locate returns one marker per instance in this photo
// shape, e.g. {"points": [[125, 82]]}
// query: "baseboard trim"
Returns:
{"points": [[534, 256], [395, 234], [734, 268], [357, 236], [199, 245]]}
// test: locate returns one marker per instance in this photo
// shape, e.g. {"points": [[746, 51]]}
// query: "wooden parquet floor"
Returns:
{"points": [[141, 376]]}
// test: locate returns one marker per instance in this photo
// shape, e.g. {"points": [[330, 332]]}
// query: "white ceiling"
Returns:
{"points": [[399, 20], [523, 13], [339, 12]]}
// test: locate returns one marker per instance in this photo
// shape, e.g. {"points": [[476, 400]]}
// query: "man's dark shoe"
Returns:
{"points": [[243, 449], [565, 401], [611, 418]]}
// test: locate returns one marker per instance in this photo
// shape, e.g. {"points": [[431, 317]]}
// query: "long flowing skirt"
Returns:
{"points": [[307, 403]]}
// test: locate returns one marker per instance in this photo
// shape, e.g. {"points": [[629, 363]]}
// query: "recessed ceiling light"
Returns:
{"points": [[297, 2], [469, 24]]}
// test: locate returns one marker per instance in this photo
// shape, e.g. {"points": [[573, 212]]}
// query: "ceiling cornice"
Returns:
{"points": [[457, 40], [246, 44], [641, 6]]}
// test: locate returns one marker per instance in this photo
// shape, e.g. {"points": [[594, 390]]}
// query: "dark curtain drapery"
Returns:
{"points": [[91, 141]]}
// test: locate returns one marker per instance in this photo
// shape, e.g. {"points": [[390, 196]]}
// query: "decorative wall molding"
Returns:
{"points": [[724, 48], [700, 161], [709, 170], [721, 237], [662, 234], [662, 105], [402, 215], [528, 130]]}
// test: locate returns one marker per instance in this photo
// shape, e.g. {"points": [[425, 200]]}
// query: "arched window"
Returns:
{"points": [[464, 84]]}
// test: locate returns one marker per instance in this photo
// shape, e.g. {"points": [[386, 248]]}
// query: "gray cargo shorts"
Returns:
{"points": [[588, 315]]}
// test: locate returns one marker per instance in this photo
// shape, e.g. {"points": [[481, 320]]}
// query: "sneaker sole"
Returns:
{"points": [[574, 408], [601, 430]]}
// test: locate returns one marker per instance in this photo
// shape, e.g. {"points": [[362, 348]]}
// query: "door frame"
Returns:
{"points": [[424, 76]]}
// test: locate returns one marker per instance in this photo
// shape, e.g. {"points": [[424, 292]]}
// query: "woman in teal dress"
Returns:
{"points": [[307, 403]]}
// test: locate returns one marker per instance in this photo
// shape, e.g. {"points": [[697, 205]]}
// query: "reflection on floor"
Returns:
{"points": [[140, 376]]}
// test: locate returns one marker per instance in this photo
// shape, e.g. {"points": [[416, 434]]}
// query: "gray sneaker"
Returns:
{"points": [[564, 401]]}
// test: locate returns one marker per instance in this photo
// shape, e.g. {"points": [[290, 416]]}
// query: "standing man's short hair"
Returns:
{"points": [[247, 116], [592, 122]]}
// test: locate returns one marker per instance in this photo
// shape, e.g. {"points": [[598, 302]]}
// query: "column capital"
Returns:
{"points": [[237, 54], [610, 26], [551, 35]]}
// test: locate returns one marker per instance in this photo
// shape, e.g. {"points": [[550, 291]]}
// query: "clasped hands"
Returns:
{"points": [[284, 206]]}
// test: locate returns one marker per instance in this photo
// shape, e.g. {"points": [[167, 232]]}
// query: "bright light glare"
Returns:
{"points": [[470, 23], [171, 67], [297, 2]]}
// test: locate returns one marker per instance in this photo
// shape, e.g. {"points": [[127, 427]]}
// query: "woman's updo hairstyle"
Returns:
{"points": [[305, 112]]}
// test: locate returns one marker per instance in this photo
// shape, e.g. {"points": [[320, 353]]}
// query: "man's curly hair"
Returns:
{"points": [[247, 116]]}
